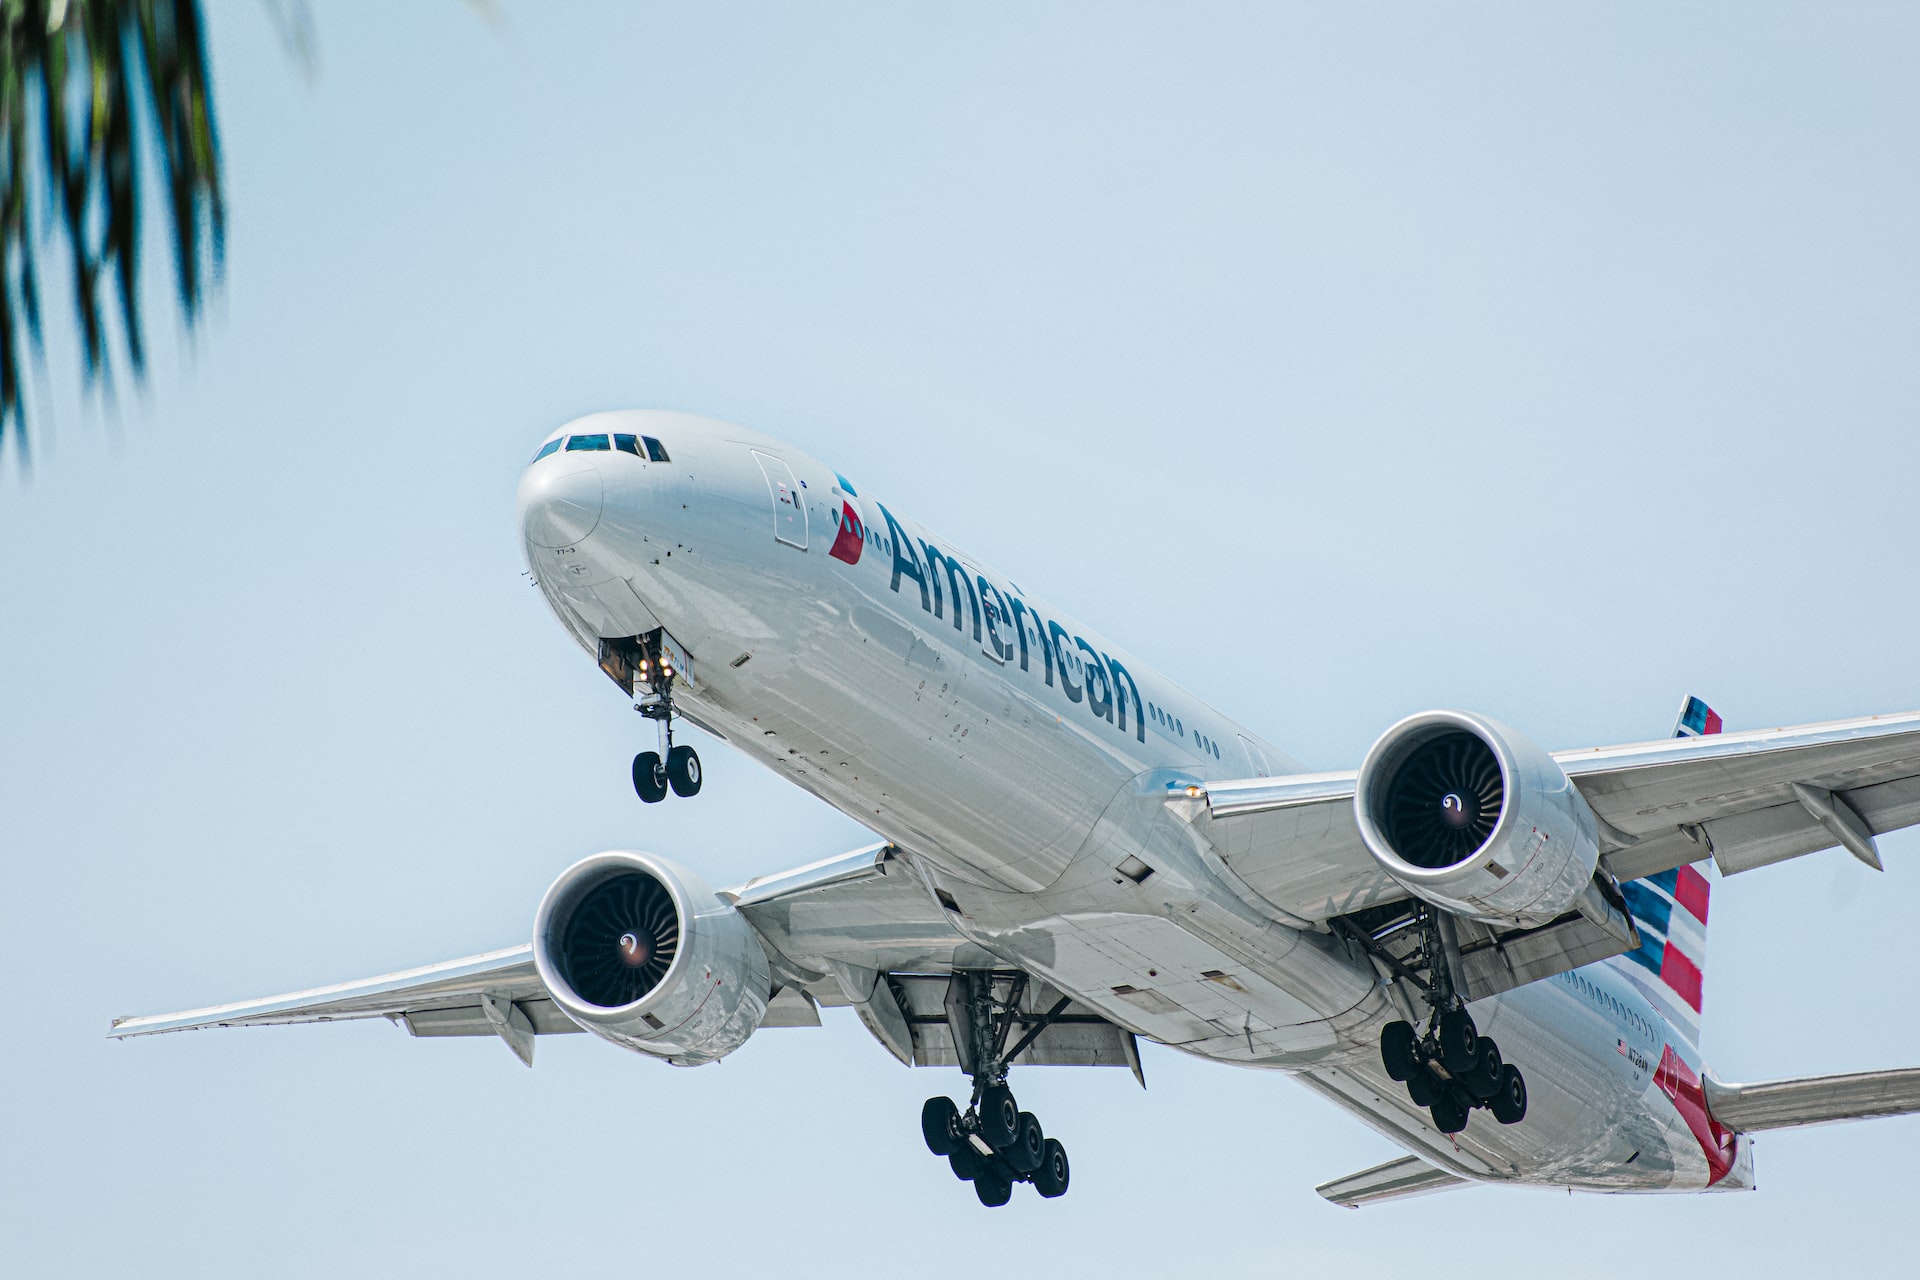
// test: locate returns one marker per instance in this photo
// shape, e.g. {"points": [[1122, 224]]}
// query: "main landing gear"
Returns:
{"points": [[993, 1144], [1449, 1068], [670, 768], [1452, 1069]]}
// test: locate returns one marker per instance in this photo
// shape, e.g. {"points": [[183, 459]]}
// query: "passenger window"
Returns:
{"points": [[590, 444], [656, 450], [628, 444]]}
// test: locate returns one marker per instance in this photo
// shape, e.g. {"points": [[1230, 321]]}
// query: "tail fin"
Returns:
{"points": [[1670, 910], [1697, 719]]}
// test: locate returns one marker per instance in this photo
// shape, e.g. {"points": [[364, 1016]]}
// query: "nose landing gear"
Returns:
{"points": [[675, 768]]}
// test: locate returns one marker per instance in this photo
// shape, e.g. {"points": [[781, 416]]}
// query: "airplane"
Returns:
{"points": [[1490, 953]]}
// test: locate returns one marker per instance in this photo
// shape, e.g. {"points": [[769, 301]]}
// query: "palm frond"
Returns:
{"points": [[83, 82]]}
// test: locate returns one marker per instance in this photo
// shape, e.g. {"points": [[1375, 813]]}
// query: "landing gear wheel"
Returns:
{"points": [[1029, 1145], [940, 1126], [965, 1162], [1459, 1042], [1422, 1087], [649, 777], [1483, 1081], [1509, 1105], [1448, 1115], [1396, 1050], [683, 771], [999, 1117], [1050, 1179], [992, 1189]]}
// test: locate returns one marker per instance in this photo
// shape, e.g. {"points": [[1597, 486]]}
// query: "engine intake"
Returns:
{"points": [[1472, 817], [643, 953], [621, 940]]}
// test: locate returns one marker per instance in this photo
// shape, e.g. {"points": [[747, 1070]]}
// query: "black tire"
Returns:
{"points": [[965, 1162], [1459, 1042], [992, 1189], [940, 1126], [1029, 1146], [1051, 1178], [683, 771], [1509, 1102], [649, 777], [1448, 1115], [1484, 1080], [1396, 1050], [1422, 1087], [999, 1117]]}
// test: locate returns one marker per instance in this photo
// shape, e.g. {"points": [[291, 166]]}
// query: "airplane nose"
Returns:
{"points": [[560, 501]]}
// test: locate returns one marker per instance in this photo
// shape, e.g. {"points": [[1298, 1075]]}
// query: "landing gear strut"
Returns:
{"points": [[993, 1144], [675, 768], [1448, 1067]]}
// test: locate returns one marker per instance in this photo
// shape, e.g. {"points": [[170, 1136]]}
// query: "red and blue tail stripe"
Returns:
{"points": [[1670, 910], [1697, 720]]}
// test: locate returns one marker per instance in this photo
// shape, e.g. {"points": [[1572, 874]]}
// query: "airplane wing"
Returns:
{"points": [[496, 993], [856, 930], [841, 911], [1744, 799], [1790, 1104], [1394, 1180]]}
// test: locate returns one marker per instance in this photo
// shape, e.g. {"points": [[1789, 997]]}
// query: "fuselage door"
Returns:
{"points": [[789, 507]]}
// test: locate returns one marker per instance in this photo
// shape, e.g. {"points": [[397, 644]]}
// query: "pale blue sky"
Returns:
{"points": [[1343, 362]]}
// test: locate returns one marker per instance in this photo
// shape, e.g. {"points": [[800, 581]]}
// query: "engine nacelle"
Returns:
{"points": [[1475, 819], [642, 952]]}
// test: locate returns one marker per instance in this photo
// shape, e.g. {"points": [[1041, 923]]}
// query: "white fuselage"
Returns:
{"points": [[1020, 760]]}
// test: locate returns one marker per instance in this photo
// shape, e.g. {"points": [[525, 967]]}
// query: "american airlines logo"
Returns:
{"points": [[1002, 623]]}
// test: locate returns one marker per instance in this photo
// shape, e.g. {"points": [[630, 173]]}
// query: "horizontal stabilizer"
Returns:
{"points": [[1789, 1104], [1394, 1180]]}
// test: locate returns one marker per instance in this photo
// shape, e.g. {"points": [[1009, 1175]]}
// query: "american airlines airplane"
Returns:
{"points": [[1490, 953]]}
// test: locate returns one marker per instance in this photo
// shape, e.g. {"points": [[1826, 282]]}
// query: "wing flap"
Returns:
{"points": [[1809, 1100], [1395, 1180]]}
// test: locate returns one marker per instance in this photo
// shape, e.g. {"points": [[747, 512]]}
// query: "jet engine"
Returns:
{"points": [[1475, 819], [642, 952]]}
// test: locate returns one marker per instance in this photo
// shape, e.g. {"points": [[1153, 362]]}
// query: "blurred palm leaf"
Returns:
{"points": [[76, 75]]}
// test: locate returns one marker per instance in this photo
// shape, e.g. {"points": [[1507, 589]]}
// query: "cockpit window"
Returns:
{"points": [[656, 450], [591, 443], [551, 446], [629, 444]]}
